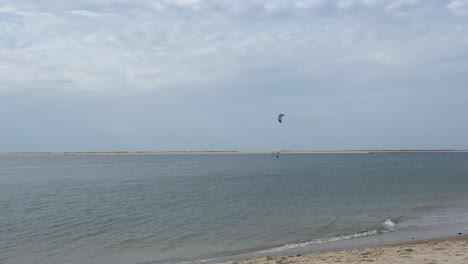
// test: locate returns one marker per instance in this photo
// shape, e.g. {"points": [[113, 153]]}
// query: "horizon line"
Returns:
{"points": [[350, 151]]}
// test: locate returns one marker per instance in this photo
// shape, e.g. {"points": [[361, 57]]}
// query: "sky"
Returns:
{"points": [[155, 75]]}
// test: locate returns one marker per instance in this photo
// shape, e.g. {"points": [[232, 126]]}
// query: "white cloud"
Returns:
{"points": [[458, 7], [344, 4], [87, 13], [11, 10], [309, 4], [185, 2]]}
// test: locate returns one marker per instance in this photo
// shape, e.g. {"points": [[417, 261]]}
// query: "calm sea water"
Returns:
{"points": [[175, 208]]}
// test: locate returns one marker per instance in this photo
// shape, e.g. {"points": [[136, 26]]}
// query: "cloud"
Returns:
{"points": [[88, 14], [340, 59], [152, 45], [458, 7]]}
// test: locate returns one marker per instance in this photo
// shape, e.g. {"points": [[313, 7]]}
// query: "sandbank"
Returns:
{"points": [[104, 153]]}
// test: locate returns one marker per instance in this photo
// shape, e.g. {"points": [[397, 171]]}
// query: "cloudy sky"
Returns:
{"points": [[108, 75]]}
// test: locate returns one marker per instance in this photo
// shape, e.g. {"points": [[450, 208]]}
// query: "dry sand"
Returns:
{"points": [[452, 250]]}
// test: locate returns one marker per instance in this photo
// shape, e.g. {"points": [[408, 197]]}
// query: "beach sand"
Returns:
{"points": [[450, 250]]}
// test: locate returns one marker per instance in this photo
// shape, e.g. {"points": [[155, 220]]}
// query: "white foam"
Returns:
{"points": [[319, 241], [389, 225]]}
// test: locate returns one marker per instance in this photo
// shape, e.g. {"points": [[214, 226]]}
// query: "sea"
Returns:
{"points": [[151, 209]]}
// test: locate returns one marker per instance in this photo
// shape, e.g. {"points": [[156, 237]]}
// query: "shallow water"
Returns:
{"points": [[175, 208]]}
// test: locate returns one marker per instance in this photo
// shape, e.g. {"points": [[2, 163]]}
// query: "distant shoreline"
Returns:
{"points": [[117, 153]]}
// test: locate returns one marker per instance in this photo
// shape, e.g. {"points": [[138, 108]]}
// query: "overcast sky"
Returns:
{"points": [[108, 75]]}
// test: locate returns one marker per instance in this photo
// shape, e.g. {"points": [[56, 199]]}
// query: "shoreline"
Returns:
{"points": [[452, 249], [123, 153]]}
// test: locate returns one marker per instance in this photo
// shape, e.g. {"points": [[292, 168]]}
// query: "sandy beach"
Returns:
{"points": [[449, 250]]}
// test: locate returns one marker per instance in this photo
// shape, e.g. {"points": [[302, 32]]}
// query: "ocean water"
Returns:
{"points": [[185, 208]]}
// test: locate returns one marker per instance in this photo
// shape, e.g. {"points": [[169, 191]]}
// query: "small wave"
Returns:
{"points": [[182, 262], [388, 225], [319, 241]]}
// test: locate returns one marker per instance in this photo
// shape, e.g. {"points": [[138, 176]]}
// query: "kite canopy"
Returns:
{"points": [[280, 117]]}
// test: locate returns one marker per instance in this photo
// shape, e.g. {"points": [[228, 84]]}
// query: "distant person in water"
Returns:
{"points": [[277, 156]]}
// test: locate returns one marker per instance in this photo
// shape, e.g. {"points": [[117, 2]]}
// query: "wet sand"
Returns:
{"points": [[436, 251]]}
